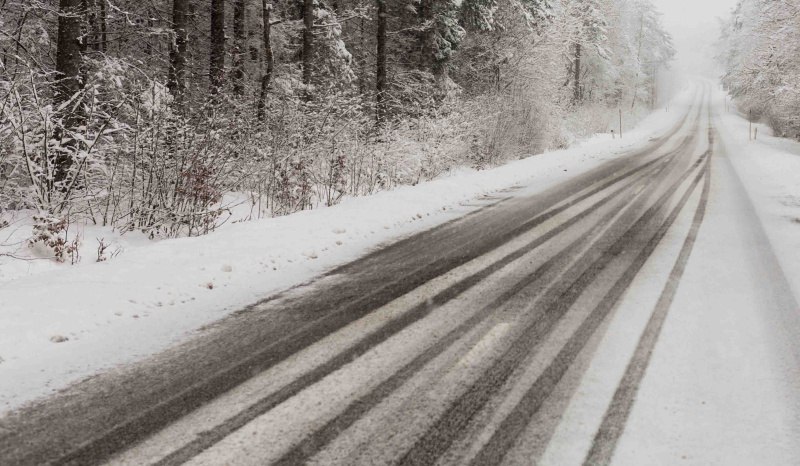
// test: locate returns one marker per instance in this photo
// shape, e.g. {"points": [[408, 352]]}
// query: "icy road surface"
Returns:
{"points": [[635, 314]]}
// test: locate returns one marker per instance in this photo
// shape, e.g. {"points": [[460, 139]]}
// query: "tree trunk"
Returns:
{"points": [[363, 78], [217, 57], [308, 39], [427, 50], [577, 70], [638, 63], [177, 56], [148, 42], [268, 58], [380, 82], [91, 7], [654, 93], [239, 39], [103, 30], [429, 11], [68, 72]]}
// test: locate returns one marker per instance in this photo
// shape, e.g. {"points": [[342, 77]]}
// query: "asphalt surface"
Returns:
{"points": [[443, 348]]}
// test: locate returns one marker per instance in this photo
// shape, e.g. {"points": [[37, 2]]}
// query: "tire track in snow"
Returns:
{"points": [[210, 438], [318, 439], [158, 416], [105, 434], [616, 416], [504, 438], [440, 436]]}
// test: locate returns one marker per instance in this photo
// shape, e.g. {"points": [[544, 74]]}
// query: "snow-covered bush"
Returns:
{"points": [[759, 50], [50, 235]]}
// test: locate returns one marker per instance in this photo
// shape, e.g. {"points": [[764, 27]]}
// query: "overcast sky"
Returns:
{"points": [[693, 25], [693, 12]]}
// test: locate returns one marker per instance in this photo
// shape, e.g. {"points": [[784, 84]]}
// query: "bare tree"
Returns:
{"points": [[308, 39], [237, 73], [576, 69], [380, 84], [266, 8], [178, 53], [102, 20], [217, 57], [68, 69], [428, 37]]}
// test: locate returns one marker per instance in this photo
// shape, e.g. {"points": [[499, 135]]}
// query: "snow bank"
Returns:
{"points": [[769, 168], [62, 324]]}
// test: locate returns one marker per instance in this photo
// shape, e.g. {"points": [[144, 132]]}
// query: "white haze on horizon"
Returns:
{"points": [[694, 25]]}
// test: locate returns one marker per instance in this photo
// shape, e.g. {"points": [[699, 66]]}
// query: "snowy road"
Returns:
{"points": [[633, 315]]}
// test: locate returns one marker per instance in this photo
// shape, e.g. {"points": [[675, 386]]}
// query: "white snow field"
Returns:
{"points": [[155, 294]]}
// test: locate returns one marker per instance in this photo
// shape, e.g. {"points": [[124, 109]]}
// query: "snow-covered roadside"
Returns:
{"points": [[157, 293], [769, 168], [721, 387]]}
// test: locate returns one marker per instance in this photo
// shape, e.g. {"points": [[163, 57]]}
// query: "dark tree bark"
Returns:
{"points": [[148, 46], [217, 57], [268, 59], [68, 55], [239, 39], [103, 31], [91, 7], [577, 78], [68, 72], [428, 11], [364, 81], [308, 39], [177, 72], [380, 82], [427, 51], [96, 19]]}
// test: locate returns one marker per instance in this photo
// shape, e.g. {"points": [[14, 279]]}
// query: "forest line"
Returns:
{"points": [[153, 115]]}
